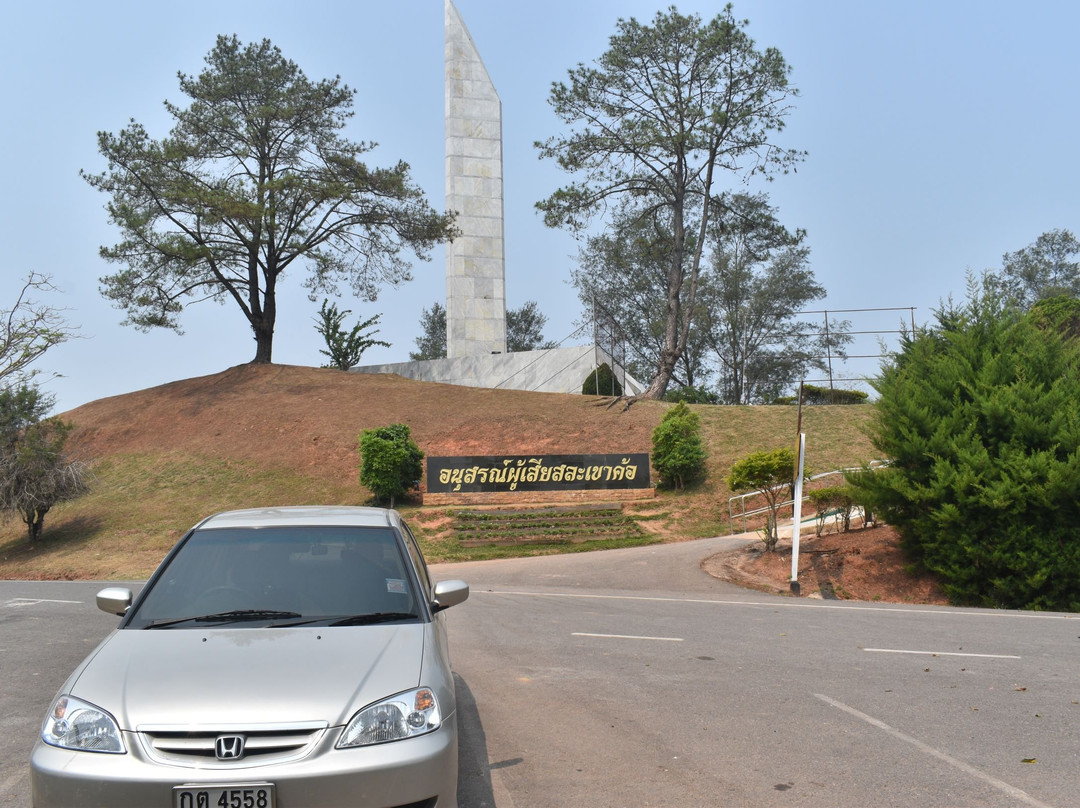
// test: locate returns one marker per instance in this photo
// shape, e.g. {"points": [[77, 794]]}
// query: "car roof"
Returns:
{"points": [[303, 515]]}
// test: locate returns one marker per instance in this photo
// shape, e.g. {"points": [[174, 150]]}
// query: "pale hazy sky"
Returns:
{"points": [[940, 135]]}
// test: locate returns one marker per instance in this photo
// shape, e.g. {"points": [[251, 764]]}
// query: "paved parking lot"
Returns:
{"points": [[631, 678]]}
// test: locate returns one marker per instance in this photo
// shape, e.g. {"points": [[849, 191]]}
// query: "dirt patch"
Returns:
{"points": [[863, 564], [305, 421], [308, 419]]}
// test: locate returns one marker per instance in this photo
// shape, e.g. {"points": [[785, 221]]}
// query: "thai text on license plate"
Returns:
{"points": [[239, 795]]}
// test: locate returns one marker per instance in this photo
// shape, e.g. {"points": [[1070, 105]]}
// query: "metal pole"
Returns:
{"points": [[828, 348], [798, 426], [797, 517]]}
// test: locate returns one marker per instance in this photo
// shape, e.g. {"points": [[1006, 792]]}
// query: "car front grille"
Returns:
{"points": [[198, 746]]}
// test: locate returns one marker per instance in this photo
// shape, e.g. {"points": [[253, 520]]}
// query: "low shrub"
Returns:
{"points": [[835, 501], [678, 453], [829, 395], [390, 461], [771, 473]]}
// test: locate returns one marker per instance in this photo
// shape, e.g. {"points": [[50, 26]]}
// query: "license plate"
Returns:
{"points": [[226, 795]]}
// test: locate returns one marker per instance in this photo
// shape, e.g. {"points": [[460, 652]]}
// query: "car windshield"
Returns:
{"points": [[281, 576]]}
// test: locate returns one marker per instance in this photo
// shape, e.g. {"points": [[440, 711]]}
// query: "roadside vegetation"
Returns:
{"points": [[163, 464], [978, 414]]}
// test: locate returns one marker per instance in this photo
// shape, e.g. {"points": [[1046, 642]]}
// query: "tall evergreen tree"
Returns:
{"points": [[431, 344], [667, 113], [1046, 268], [253, 180], [524, 331], [757, 280], [622, 274]]}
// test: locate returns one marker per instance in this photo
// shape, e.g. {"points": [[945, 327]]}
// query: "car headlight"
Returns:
{"points": [[74, 724], [403, 716]]}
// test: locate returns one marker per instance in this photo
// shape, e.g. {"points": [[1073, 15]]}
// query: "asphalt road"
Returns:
{"points": [[631, 678]]}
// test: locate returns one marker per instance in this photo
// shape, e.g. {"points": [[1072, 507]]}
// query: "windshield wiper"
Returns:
{"points": [[375, 617], [235, 616]]}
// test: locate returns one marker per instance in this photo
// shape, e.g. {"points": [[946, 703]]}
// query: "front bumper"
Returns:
{"points": [[388, 775]]}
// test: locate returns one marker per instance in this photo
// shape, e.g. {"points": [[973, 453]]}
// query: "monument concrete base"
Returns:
{"points": [[557, 370]]}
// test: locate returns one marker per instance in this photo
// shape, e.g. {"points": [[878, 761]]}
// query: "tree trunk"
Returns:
{"points": [[35, 523], [658, 388], [264, 344], [263, 313], [263, 330]]}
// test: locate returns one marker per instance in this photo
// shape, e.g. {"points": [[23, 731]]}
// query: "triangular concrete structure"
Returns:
{"points": [[475, 263]]}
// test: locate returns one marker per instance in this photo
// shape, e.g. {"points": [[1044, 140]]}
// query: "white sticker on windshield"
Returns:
{"points": [[395, 585]]}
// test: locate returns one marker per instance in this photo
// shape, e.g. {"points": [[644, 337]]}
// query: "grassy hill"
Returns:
{"points": [[274, 435]]}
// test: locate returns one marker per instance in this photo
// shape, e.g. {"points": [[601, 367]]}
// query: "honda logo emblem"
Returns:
{"points": [[229, 747]]}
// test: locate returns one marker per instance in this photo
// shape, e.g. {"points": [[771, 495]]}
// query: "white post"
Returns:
{"points": [[797, 515]]}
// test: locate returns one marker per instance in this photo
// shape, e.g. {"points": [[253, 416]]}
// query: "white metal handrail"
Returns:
{"points": [[741, 499]]}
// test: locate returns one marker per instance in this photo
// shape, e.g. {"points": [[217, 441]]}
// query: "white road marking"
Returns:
{"points": [[787, 603], [941, 653], [16, 603], [626, 637], [1012, 791]]}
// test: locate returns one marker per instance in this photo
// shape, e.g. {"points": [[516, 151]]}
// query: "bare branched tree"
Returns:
{"points": [[29, 329]]}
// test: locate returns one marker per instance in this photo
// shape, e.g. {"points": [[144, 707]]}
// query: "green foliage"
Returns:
{"points": [[667, 113], [692, 395], [34, 472], [525, 329], [346, 347], [758, 279], [1060, 314], [602, 382], [678, 452], [431, 344], [979, 416], [1045, 268], [770, 473], [829, 395], [254, 179], [391, 462], [622, 278], [835, 501], [21, 406]]}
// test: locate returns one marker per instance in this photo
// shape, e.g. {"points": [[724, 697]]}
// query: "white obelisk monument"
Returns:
{"points": [[475, 261]]}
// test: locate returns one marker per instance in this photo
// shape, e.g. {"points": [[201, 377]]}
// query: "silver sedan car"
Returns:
{"points": [[278, 658]]}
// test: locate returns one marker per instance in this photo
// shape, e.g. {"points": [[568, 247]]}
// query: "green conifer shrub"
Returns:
{"points": [[979, 416], [678, 454]]}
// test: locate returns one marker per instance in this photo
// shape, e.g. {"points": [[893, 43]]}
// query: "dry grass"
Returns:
{"points": [[274, 435]]}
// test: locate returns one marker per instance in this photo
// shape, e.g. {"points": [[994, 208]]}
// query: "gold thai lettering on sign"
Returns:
{"points": [[537, 472]]}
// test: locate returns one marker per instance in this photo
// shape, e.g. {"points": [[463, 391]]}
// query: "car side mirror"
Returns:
{"points": [[450, 593], [114, 600]]}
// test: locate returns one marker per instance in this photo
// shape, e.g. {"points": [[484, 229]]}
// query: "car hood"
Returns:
{"points": [[249, 676]]}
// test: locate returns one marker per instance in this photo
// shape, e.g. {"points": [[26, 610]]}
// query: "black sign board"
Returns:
{"points": [[451, 475]]}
